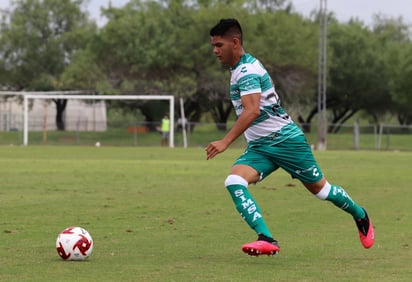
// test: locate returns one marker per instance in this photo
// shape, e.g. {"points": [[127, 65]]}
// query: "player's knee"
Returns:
{"points": [[233, 179]]}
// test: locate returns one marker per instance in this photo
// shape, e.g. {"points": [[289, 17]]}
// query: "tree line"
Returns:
{"points": [[163, 46]]}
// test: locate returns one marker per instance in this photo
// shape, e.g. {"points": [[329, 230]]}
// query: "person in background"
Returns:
{"points": [[165, 130]]}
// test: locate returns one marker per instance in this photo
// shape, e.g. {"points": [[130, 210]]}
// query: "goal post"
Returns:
{"points": [[43, 95]]}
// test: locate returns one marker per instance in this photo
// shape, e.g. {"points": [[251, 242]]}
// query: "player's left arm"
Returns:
{"points": [[251, 110]]}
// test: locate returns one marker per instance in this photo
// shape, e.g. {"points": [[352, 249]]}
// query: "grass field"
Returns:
{"points": [[160, 214]]}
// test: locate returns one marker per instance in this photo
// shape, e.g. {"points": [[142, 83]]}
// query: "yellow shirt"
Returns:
{"points": [[165, 125]]}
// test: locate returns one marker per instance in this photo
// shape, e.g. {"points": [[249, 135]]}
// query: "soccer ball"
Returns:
{"points": [[74, 243]]}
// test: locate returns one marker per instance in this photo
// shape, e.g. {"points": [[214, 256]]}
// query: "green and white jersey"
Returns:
{"points": [[273, 124]]}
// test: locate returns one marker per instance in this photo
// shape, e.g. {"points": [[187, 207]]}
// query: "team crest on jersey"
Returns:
{"points": [[243, 70]]}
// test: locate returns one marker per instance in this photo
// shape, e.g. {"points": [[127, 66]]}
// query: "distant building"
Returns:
{"points": [[78, 115]]}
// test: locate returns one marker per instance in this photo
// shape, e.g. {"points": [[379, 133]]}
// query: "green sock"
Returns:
{"points": [[248, 209], [342, 200]]}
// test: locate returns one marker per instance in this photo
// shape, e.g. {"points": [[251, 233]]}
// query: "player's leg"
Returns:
{"points": [[237, 184], [340, 198], [296, 157], [336, 195]]}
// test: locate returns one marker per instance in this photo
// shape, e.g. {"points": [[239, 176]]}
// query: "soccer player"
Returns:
{"points": [[274, 141]]}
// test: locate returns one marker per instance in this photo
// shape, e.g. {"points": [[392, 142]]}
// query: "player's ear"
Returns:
{"points": [[236, 41]]}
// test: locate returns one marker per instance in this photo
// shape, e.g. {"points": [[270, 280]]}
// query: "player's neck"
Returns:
{"points": [[237, 57]]}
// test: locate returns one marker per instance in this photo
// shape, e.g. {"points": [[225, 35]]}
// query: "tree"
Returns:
{"points": [[400, 68], [356, 80], [139, 50], [394, 37], [38, 41], [163, 47]]}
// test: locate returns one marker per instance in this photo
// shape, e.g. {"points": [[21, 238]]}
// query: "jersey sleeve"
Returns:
{"points": [[249, 81]]}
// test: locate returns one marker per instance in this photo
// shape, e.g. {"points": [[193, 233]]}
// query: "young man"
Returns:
{"points": [[165, 130], [274, 141]]}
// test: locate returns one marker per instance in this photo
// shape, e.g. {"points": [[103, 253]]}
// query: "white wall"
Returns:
{"points": [[78, 115]]}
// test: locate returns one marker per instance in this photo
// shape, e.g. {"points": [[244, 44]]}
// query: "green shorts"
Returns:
{"points": [[294, 155]]}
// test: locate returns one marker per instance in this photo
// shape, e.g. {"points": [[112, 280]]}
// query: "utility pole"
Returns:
{"points": [[322, 71]]}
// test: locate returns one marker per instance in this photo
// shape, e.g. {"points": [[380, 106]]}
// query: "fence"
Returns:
{"points": [[126, 132]]}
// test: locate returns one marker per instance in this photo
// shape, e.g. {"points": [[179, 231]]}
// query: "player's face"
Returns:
{"points": [[223, 49]]}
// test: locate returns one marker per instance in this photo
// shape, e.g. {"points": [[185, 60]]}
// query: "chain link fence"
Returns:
{"points": [[126, 132]]}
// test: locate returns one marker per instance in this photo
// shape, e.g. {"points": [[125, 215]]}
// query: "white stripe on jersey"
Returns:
{"points": [[247, 77]]}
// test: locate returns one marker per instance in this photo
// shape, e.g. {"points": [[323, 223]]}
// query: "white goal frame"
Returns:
{"points": [[54, 95]]}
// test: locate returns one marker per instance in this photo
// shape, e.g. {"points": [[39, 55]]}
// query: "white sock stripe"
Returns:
{"points": [[234, 179], [324, 192]]}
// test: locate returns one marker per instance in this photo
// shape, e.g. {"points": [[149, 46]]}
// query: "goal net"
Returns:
{"points": [[85, 118]]}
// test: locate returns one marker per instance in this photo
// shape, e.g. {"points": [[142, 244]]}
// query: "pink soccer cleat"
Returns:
{"points": [[263, 246], [366, 231]]}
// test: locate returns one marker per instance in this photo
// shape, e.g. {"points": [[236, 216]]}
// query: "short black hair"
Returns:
{"points": [[227, 27]]}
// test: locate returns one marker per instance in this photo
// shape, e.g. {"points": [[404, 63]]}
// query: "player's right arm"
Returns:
{"points": [[250, 112]]}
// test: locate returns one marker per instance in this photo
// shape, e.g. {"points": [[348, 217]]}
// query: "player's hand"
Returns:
{"points": [[215, 148]]}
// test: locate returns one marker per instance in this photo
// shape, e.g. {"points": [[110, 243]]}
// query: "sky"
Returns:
{"points": [[361, 9], [343, 9]]}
